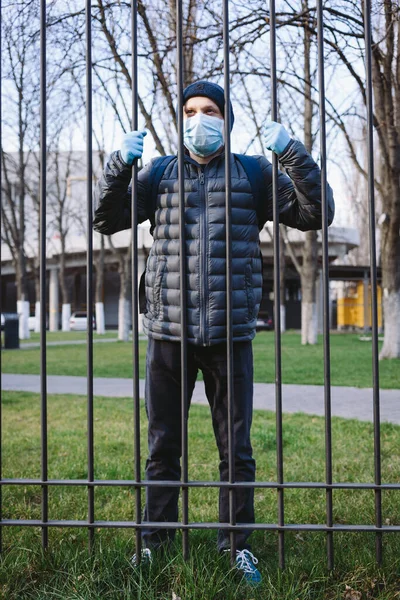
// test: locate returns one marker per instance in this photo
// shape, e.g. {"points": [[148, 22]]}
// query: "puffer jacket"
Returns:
{"points": [[299, 200]]}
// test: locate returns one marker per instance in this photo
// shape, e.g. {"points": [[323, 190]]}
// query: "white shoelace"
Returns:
{"points": [[243, 560], [145, 556]]}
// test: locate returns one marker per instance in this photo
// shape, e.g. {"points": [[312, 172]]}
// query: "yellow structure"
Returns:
{"points": [[352, 312]]}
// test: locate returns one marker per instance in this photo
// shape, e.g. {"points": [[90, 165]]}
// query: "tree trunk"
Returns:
{"points": [[65, 295], [22, 303], [391, 311], [23, 312], [124, 318], [20, 273], [36, 270], [22, 292], [282, 273], [65, 317], [390, 259], [124, 305], [100, 320], [386, 88], [37, 316], [309, 317]]}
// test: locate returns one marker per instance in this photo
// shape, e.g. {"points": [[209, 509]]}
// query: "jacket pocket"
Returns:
{"points": [[161, 265], [251, 304]]}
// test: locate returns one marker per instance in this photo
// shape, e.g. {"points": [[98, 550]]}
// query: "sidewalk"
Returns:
{"points": [[347, 402]]}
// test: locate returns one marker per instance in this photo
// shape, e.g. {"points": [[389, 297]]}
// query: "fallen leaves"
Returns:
{"points": [[351, 594]]}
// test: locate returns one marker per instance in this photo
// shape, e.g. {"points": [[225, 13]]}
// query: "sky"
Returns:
{"points": [[341, 88]]}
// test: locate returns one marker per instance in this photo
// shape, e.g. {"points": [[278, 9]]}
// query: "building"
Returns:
{"points": [[340, 242]]}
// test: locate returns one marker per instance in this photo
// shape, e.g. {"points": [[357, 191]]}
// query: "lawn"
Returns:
{"points": [[351, 361], [67, 572], [67, 336]]}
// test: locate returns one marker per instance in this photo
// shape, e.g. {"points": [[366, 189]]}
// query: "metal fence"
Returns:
{"points": [[280, 485]]}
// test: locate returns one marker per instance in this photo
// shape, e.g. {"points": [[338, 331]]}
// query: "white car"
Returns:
{"points": [[78, 321]]}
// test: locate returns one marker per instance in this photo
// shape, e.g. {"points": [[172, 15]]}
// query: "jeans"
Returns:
{"points": [[163, 406]]}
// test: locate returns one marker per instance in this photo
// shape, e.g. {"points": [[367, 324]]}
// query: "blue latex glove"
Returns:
{"points": [[276, 138], [132, 146]]}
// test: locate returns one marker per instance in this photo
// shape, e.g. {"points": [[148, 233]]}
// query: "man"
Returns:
{"points": [[299, 199]]}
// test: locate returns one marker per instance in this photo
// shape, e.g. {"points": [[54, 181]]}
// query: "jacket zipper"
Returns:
{"points": [[203, 258]]}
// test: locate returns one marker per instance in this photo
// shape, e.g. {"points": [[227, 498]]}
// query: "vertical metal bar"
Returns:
{"points": [[277, 295], [135, 296], [89, 270], [229, 320], [42, 276], [374, 299], [325, 278], [182, 277], [1, 290]]}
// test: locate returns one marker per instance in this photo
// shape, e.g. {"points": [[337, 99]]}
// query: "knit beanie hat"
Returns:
{"points": [[209, 90]]}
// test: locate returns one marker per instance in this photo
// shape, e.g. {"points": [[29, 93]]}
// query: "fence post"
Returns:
{"points": [[374, 301], [43, 372], [325, 283], [229, 305], [89, 270], [277, 295], [182, 277], [135, 296]]}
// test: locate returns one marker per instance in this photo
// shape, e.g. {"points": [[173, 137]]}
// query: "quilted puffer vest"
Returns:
{"points": [[205, 256]]}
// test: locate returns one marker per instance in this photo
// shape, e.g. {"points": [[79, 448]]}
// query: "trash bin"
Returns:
{"points": [[11, 330]]}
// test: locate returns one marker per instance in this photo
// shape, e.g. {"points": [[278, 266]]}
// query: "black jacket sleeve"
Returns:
{"points": [[299, 192], [113, 196]]}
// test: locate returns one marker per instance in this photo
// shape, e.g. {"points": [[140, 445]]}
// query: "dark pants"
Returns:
{"points": [[163, 405]]}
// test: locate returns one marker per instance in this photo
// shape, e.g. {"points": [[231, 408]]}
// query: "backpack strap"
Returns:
{"points": [[255, 176], [156, 174]]}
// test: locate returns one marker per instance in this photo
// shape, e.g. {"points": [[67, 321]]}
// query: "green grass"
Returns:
{"points": [[66, 336], [66, 571], [351, 361]]}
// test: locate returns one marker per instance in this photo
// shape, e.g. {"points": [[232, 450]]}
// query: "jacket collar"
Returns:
{"points": [[190, 160]]}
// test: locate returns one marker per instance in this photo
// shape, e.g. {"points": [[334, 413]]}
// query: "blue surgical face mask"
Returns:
{"points": [[203, 135]]}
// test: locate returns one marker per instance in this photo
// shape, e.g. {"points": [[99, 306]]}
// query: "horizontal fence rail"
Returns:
{"points": [[184, 483], [217, 484], [188, 526]]}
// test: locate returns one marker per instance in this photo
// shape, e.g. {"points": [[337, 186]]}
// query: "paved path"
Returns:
{"points": [[347, 402]]}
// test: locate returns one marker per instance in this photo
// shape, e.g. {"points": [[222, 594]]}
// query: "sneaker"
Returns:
{"points": [[246, 564], [145, 558]]}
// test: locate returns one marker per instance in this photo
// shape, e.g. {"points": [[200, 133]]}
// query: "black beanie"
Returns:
{"points": [[209, 90]]}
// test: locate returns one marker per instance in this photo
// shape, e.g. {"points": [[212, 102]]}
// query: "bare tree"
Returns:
{"points": [[344, 39], [21, 161], [309, 268], [344, 34], [64, 216], [99, 259], [20, 107]]}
